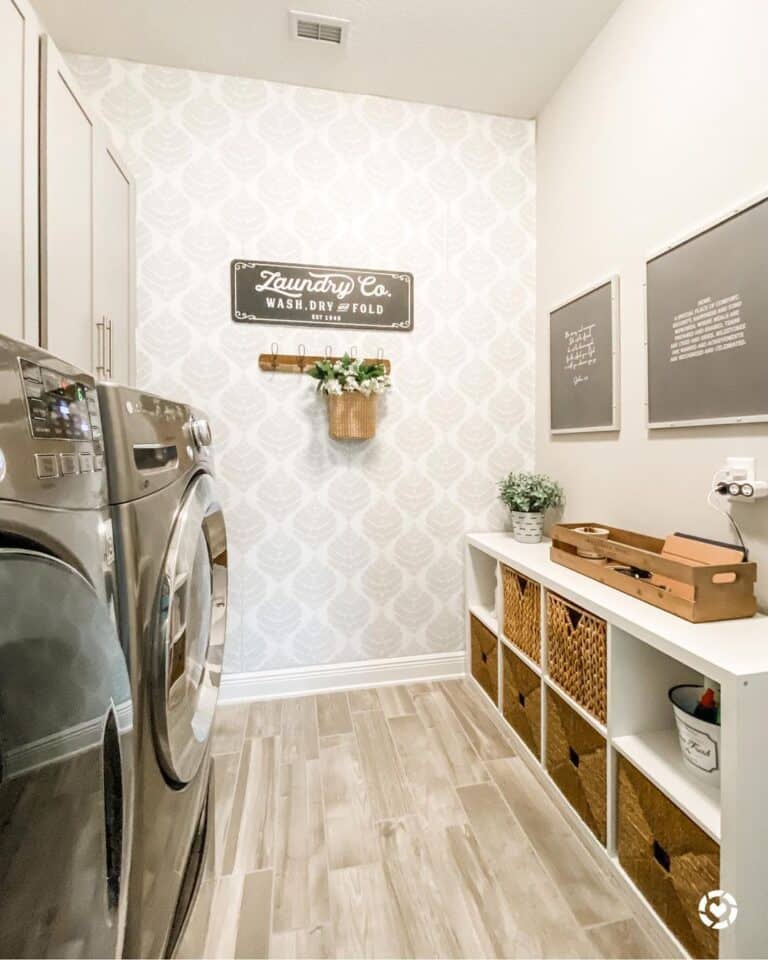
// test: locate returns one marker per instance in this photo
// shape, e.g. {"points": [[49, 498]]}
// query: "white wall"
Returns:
{"points": [[660, 127], [338, 552]]}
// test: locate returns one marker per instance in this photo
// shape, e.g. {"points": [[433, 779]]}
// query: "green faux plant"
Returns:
{"points": [[350, 375], [525, 492]]}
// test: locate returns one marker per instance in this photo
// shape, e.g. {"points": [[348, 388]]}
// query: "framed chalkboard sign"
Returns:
{"points": [[707, 324], [314, 296], [584, 361]]}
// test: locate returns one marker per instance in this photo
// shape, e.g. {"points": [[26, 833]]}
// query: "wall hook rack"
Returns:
{"points": [[300, 362]]}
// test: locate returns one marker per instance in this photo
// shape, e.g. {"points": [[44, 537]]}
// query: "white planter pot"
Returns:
{"points": [[527, 527], [699, 739]]}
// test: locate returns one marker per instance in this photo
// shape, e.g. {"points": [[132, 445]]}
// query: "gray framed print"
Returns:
{"points": [[584, 361], [706, 318]]}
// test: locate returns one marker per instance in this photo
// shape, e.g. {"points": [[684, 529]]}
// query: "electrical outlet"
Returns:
{"points": [[740, 469], [737, 481]]}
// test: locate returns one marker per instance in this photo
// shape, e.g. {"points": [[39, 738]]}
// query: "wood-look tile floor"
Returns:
{"points": [[393, 822]]}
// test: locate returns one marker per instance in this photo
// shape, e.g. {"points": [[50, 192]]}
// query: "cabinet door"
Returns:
{"points": [[19, 39], [114, 263], [67, 146]]}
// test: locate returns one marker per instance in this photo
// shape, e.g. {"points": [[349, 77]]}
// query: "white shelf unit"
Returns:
{"points": [[649, 651]]}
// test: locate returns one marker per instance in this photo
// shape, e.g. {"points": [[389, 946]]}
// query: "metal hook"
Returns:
{"points": [[380, 353], [353, 352], [328, 352], [275, 348], [302, 355]]}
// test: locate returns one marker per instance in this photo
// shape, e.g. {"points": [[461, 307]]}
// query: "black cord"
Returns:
{"points": [[727, 513]]}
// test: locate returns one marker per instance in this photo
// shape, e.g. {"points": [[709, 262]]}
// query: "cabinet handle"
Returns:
{"points": [[109, 351], [100, 343]]}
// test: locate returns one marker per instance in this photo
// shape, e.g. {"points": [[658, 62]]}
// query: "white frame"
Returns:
{"points": [[654, 255], [615, 424]]}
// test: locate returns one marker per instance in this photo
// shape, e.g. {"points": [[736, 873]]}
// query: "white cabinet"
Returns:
{"points": [[114, 267], [67, 168], [87, 232], [19, 32]]}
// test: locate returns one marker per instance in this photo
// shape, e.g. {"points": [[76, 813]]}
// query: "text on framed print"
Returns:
{"points": [[315, 296]]}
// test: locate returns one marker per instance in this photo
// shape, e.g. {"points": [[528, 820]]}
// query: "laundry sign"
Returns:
{"points": [[295, 293]]}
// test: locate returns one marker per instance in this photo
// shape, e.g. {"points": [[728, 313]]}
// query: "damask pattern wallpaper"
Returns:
{"points": [[338, 552]]}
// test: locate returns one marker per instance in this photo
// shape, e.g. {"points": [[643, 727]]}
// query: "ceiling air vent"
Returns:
{"points": [[316, 26]]}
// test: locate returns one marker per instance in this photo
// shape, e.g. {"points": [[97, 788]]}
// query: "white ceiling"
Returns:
{"points": [[496, 56]]}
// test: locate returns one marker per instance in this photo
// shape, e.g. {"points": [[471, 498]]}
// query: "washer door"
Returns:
{"points": [[65, 763], [189, 632]]}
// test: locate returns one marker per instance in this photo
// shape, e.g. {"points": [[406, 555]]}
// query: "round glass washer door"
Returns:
{"points": [[190, 627]]}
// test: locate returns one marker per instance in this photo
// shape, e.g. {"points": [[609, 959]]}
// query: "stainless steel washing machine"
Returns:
{"points": [[171, 558], [65, 702]]}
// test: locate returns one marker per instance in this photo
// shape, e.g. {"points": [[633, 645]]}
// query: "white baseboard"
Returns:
{"points": [[326, 678]]}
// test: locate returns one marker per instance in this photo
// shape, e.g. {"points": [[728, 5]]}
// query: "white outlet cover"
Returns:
{"points": [[740, 468]]}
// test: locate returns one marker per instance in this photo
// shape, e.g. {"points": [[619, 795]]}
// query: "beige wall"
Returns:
{"points": [[661, 127]]}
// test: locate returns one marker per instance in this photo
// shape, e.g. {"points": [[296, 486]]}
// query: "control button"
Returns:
{"points": [[33, 389], [86, 463], [98, 461], [68, 464], [30, 371], [46, 466], [38, 410]]}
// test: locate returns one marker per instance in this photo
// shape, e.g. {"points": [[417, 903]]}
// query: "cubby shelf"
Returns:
{"points": [[531, 664], [577, 707], [657, 755], [487, 616], [648, 652]]}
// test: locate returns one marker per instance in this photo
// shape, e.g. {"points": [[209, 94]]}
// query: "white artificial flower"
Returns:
{"points": [[333, 387]]}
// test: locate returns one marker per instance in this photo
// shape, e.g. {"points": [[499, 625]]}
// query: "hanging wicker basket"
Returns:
{"points": [[352, 416]]}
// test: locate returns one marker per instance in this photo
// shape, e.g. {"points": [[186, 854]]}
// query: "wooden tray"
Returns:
{"points": [[699, 592]]}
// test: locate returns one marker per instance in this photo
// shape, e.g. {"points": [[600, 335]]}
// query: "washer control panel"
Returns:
{"points": [[59, 407], [50, 431]]}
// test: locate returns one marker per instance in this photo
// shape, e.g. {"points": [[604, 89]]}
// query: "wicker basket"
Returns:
{"points": [[352, 416], [485, 658], [576, 654], [522, 613], [672, 861], [522, 700], [576, 761]]}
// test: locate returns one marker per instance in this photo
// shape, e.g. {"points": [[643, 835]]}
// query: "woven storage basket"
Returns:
{"points": [[576, 654], [576, 761], [485, 658], [352, 416], [672, 861], [522, 699], [522, 613]]}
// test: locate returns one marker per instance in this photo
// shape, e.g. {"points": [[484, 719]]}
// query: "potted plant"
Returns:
{"points": [[528, 496], [352, 388]]}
